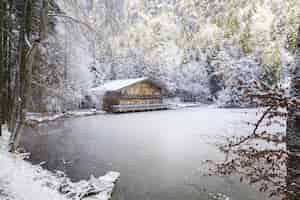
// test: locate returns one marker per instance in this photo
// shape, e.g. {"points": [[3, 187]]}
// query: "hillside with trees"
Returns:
{"points": [[194, 47]]}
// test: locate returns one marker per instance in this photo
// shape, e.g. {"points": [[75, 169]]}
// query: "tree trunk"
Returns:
{"points": [[293, 133], [5, 63], [9, 60], [44, 20], [20, 98], [2, 62], [27, 56]]}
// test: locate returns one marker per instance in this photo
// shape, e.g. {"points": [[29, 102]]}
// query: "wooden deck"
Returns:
{"points": [[137, 108]]}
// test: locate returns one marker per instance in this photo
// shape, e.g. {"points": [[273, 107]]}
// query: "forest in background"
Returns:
{"points": [[194, 47]]}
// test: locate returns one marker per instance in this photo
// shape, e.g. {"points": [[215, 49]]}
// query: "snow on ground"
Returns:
{"points": [[38, 117], [79, 113], [173, 104], [20, 180], [189, 105], [33, 118]]}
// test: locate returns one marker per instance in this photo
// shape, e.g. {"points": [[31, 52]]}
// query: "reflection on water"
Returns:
{"points": [[159, 154]]}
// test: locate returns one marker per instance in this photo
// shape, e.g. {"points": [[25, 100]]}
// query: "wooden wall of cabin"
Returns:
{"points": [[142, 88], [130, 96]]}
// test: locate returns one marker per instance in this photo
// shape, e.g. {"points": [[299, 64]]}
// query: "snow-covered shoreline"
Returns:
{"points": [[35, 118], [20, 180]]}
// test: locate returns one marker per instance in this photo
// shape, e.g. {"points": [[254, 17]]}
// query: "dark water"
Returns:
{"points": [[159, 154]]}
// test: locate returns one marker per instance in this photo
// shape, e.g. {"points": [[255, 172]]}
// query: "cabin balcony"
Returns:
{"points": [[138, 107]]}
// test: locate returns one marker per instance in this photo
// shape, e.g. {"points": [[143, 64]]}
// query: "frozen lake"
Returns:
{"points": [[159, 154]]}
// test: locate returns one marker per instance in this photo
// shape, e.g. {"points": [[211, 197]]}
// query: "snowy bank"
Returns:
{"points": [[33, 118], [20, 180], [180, 105], [39, 118], [80, 113]]}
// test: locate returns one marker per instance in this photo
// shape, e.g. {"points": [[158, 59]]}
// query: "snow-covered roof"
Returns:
{"points": [[118, 84]]}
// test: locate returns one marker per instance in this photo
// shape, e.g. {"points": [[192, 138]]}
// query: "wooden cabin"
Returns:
{"points": [[131, 95]]}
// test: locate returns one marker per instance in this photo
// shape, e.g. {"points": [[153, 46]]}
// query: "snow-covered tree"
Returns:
{"points": [[240, 76]]}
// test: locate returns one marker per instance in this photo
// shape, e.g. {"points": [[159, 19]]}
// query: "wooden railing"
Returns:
{"points": [[139, 107]]}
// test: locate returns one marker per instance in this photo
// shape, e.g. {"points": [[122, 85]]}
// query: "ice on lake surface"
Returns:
{"points": [[159, 154]]}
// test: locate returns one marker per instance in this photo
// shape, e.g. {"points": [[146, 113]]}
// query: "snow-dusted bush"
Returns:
{"points": [[240, 76], [192, 79]]}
